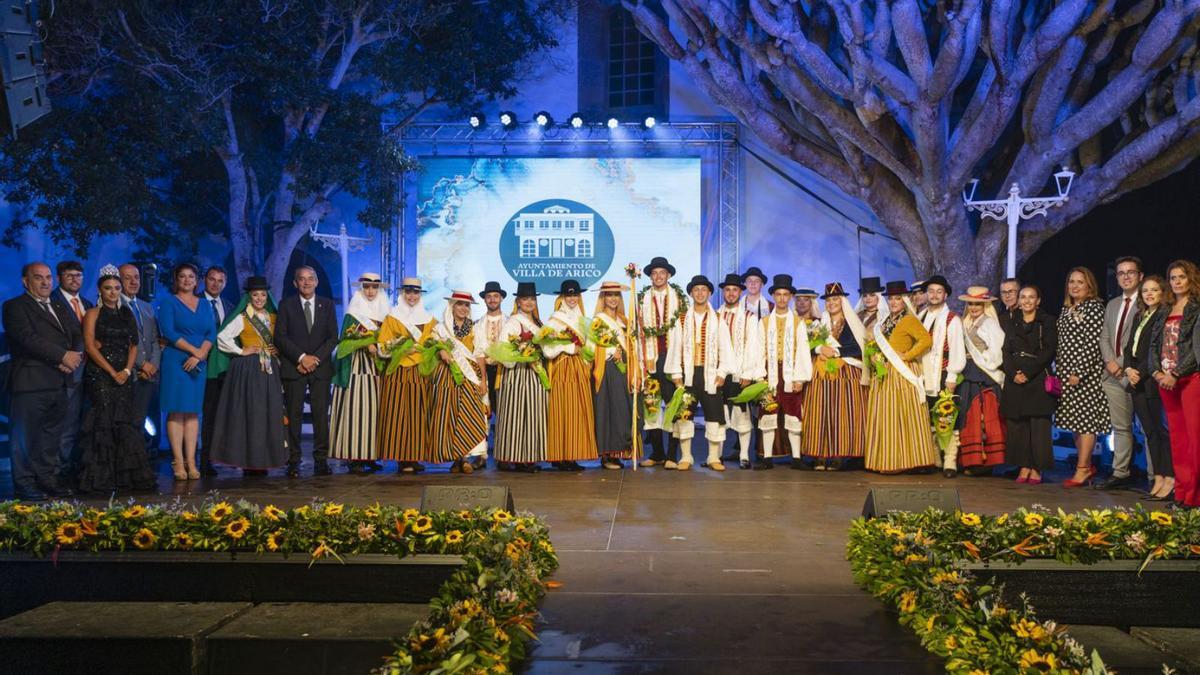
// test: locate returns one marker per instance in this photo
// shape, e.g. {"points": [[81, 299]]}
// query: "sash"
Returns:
{"points": [[712, 324], [264, 333], [460, 353], [980, 359], [897, 363]]}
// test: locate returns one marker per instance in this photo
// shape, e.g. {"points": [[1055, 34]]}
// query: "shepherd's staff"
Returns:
{"points": [[636, 374]]}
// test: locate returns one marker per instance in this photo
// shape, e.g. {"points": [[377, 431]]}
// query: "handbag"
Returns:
{"points": [[1052, 384]]}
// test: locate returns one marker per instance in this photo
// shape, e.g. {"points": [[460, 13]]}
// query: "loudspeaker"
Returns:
{"points": [[149, 274], [456, 498], [24, 80], [886, 498]]}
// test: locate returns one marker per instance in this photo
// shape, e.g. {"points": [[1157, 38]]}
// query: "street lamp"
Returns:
{"points": [[1017, 208]]}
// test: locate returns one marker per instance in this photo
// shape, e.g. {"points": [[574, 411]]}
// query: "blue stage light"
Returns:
{"points": [[612, 123], [477, 120], [576, 121], [508, 120], [543, 119]]}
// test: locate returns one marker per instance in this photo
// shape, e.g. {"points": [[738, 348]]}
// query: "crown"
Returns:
{"points": [[110, 271]]}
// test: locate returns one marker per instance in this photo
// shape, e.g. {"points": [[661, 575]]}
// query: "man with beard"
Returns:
{"points": [[941, 365], [661, 312], [746, 346], [486, 332]]}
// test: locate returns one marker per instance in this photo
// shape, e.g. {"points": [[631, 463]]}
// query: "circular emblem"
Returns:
{"points": [[556, 239]]}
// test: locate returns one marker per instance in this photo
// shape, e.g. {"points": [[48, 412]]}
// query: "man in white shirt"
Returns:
{"points": [[944, 362], [746, 344], [1118, 324], [67, 296], [786, 365], [755, 302], [661, 308], [701, 360], [149, 354], [214, 284], [487, 332]]}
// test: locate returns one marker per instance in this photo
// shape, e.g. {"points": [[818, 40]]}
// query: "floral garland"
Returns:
{"points": [[910, 561], [680, 312], [479, 619]]}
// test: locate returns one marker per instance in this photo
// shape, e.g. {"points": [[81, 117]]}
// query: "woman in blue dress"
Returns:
{"points": [[190, 330]]}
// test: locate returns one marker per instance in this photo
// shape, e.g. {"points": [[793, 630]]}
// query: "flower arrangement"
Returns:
{"points": [[942, 416], [354, 338], [602, 335], [651, 396], [680, 408], [677, 317], [760, 393], [430, 350], [633, 271], [521, 348], [909, 560], [397, 349], [875, 360], [481, 617]]}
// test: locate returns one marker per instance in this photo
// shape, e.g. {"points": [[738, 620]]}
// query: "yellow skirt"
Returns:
{"points": [[835, 405], [404, 416], [570, 424], [458, 417], [898, 433]]}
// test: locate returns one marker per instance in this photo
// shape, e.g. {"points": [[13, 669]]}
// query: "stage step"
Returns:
{"points": [[1181, 643], [1125, 653]]}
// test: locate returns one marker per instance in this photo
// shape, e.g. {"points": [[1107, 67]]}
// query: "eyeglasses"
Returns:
{"points": [[1128, 273]]}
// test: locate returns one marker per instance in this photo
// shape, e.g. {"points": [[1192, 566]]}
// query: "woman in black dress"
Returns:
{"points": [[1030, 342], [113, 451]]}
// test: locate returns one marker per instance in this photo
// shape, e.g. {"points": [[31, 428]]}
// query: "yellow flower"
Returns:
{"points": [[23, 509], [372, 511], [188, 515], [1161, 518], [1043, 662], [465, 515], [946, 578], [275, 540], [272, 513], [970, 519], [913, 557], [1034, 519], [422, 524], [333, 509], [135, 511], [1122, 516], [1002, 519], [501, 516], [68, 533], [454, 537], [237, 528], [144, 539], [950, 643], [219, 511], [303, 511], [183, 540], [908, 601], [929, 623], [410, 514], [898, 549]]}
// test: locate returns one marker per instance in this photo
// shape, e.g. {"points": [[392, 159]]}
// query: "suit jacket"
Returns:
{"points": [[37, 344], [1188, 345], [149, 348], [1112, 346], [57, 298], [1029, 348], [1138, 356], [293, 338]]}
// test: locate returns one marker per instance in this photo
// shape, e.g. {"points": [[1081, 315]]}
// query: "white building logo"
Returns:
{"points": [[556, 232], [555, 239]]}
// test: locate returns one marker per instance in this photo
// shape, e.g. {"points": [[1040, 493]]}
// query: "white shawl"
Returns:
{"points": [[744, 339], [369, 313], [796, 359], [990, 360], [565, 319], [718, 355], [411, 317], [947, 336]]}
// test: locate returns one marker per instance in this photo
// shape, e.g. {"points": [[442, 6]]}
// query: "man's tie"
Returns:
{"points": [[1121, 326], [78, 307], [50, 310], [216, 312], [308, 314], [137, 313]]}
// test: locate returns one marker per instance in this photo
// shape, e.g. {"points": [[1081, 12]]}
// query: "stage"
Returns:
{"points": [[742, 572]]}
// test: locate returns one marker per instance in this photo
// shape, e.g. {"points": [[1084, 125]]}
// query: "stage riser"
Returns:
{"points": [[1107, 593], [27, 582]]}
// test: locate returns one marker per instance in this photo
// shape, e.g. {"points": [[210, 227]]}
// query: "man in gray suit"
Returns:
{"points": [[149, 354], [1118, 324]]}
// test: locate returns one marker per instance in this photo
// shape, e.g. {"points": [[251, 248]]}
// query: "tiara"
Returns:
{"points": [[109, 271]]}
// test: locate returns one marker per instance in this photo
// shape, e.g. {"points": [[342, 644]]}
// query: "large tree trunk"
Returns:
{"points": [[241, 232]]}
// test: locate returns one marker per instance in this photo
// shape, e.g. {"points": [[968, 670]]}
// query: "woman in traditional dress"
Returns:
{"points": [[1083, 409], [458, 426], [354, 420], [520, 442], [871, 307], [404, 403], [570, 424], [249, 430], [613, 400], [112, 450], [898, 437], [835, 402], [981, 433]]}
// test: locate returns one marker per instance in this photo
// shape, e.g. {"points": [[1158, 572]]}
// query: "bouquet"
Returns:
{"points": [[600, 334], [520, 348], [943, 415], [354, 338], [818, 337], [874, 359], [397, 349], [760, 393], [681, 408], [651, 396], [430, 357]]}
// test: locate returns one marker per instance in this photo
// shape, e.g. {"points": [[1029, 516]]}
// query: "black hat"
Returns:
{"points": [[493, 287], [526, 289], [733, 279], [699, 280], [939, 280], [569, 287], [870, 285], [754, 272], [896, 288], [833, 289], [659, 262], [782, 281], [257, 284]]}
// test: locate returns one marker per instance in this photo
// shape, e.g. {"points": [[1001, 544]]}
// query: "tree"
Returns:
{"points": [[173, 116], [901, 102]]}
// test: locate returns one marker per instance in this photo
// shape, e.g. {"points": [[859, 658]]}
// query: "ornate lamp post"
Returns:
{"points": [[1017, 208], [343, 244]]}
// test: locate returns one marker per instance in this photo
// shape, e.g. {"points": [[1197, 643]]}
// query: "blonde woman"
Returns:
{"points": [[611, 373], [570, 430], [981, 440]]}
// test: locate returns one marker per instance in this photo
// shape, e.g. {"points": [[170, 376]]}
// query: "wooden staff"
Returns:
{"points": [[637, 365]]}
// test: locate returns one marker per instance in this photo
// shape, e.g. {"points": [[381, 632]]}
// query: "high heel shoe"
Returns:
{"points": [[180, 473], [193, 473], [1022, 479], [1034, 481], [1072, 483], [1169, 497]]}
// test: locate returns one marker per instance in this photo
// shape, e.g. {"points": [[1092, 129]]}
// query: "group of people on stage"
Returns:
{"points": [[897, 382]]}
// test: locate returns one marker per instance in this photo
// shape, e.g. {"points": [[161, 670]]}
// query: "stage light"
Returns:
{"points": [[508, 120], [612, 123], [576, 121], [477, 120], [543, 119], [649, 122]]}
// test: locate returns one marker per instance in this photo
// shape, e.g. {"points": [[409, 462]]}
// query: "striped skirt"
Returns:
{"points": [[458, 417], [898, 433], [355, 416], [404, 416], [521, 417], [570, 425], [835, 405]]}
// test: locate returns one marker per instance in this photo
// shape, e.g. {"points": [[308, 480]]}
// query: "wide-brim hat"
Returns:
{"points": [[369, 278], [939, 280], [659, 262], [977, 294], [493, 287], [700, 280], [733, 279], [870, 285], [526, 289], [916, 287], [782, 282], [833, 289], [806, 293], [754, 272], [569, 287], [611, 287], [411, 284], [896, 288], [458, 295], [256, 284]]}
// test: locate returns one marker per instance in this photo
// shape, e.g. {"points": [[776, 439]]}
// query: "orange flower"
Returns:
{"points": [[1097, 539], [971, 548]]}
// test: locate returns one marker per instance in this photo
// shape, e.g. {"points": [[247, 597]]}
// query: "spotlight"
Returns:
{"points": [[576, 121], [543, 119], [612, 123], [477, 120], [508, 120], [649, 122]]}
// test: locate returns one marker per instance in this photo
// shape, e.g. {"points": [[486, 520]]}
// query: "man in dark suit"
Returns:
{"points": [[306, 334], [214, 283], [149, 354], [69, 298], [42, 341]]}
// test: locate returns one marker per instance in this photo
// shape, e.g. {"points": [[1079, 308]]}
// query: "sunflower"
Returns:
{"points": [[188, 515], [275, 540], [951, 643], [1161, 518], [183, 540], [372, 511], [409, 514], [945, 407], [1034, 519], [908, 601], [68, 533], [334, 509], [465, 515], [135, 511], [422, 524], [1043, 662], [272, 513], [1002, 519], [144, 539], [970, 519], [219, 511], [302, 511], [237, 528], [22, 509], [501, 516], [454, 537]]}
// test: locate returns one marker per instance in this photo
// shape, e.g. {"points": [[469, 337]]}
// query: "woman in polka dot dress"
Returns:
{"points": [[1083, 409]]}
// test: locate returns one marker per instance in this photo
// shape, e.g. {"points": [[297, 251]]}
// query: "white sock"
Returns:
{"points": [[744, 446], [685, 451], [794, 439]]}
